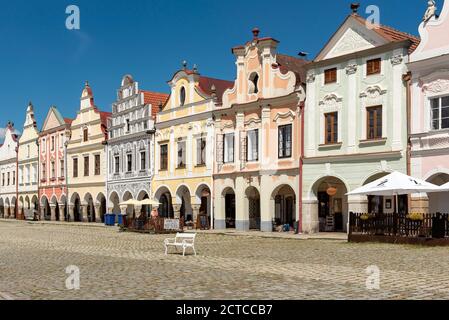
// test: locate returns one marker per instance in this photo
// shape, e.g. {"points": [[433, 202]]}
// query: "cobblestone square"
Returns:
{"points": [[114, 265]]}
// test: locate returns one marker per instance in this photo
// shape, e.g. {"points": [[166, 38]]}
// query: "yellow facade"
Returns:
{"points": [[185, 147]]}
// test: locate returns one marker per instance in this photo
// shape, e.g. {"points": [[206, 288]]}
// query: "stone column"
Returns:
{"points": [[196, 212], [310, 218], [177, 211], [42, 213], [7, 211], [137, 210], [53, 212], [62, 212], [83, 209], [71, 213], [97, 214]]}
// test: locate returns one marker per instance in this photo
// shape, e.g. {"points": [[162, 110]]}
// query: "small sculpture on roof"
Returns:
{"points": [[355, 7], [431, 11]]}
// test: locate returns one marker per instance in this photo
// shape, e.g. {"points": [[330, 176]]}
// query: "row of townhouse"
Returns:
{"points": [[281, 145]]}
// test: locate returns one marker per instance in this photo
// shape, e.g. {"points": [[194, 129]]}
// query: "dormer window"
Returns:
{"points": [[182, 96], [128, 126], [253, 83]]}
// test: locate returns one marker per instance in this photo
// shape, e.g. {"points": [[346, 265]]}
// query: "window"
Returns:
{"points": [[97, 165], [9, 178], [52, 143], [85, 135], [53, 170], [374, 123], [44, 149], [254, 83], [117, 164], [143, 161], [13, 178], [228, 148], [331, 128], [62, 174], [44, 171], [201, 152], [3, 179], [28, 151], [330, 76], [182, 96], [440, 113], [75, 167], [61, 141], [86, 166], [164, 157], [129, 166], [252, 145], [181, 154], [128, 126], [285, 141], [373, 66]]}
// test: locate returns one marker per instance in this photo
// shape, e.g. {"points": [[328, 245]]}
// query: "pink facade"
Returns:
{"points": [[52, 162], [258, 134], [429, 125]]}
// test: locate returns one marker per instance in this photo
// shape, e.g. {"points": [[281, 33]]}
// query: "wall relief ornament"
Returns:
{"points": [[310, 77], [353, 40], [397, 59], [373, 92], [351, 69], [437, 86]]}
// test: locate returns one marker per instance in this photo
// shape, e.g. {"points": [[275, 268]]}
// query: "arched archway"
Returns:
{"points": [[90, 208], [145, 210], [253, 208], [34, 207], [2, 208], [22, 208], [14, 208], [76, 203], [284, 206], [439, 201], [203, 196], [229, 207], [332, 204], [164, 197], [101, 204], [46, 208], [183, 197], [7, 208], [54, 203], [114, 203], [130, 210]]}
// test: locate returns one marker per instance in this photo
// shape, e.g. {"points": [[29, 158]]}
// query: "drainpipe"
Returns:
{"points": [[18, 217], [407, 78], [38, 179], [301, 163]]}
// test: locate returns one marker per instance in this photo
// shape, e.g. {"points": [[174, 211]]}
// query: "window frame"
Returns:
{"points": [[230, 156], [375, 123], [75, 168], [440, 113], [97, 164], [330, 81], [86, 165], [183, 154], [373, 71], [284, 147], [256, 149], [201, 156], [334, 134], [163, 163]]}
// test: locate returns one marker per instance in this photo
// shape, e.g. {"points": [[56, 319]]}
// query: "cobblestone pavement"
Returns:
{"points": [[114, 265]]}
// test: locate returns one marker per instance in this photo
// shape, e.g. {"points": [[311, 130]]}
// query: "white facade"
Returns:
{"points": [[28, 160], [8, 174]]}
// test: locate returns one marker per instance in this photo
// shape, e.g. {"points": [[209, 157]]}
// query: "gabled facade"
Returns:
{"points": [[53, 140], [28, 161], [131, 146], [185, 146], [8, 174], [429, 122], [356, 121], [258, 140], [87, 161]]}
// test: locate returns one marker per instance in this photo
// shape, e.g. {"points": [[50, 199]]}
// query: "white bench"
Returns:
{"points": [[183, 241]]}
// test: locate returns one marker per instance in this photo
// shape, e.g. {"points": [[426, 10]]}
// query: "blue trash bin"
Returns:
{"points": [[109, 219], [120, 219]]}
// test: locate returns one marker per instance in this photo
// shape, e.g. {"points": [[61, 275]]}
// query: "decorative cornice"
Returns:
{"points": [[351, 69], [397, 59]]}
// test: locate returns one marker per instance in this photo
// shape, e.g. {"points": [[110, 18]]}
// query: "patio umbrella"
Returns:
{"points": [[149, 202], [130, 202], [396, 184]]}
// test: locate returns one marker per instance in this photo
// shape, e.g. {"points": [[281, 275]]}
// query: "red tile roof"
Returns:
{"points": [[296, 65], [392, 35], [154, 98], [206, 83], [68, 121]]}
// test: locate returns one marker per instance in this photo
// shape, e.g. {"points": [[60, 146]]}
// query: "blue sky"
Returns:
{"points": [[46, 63]]}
